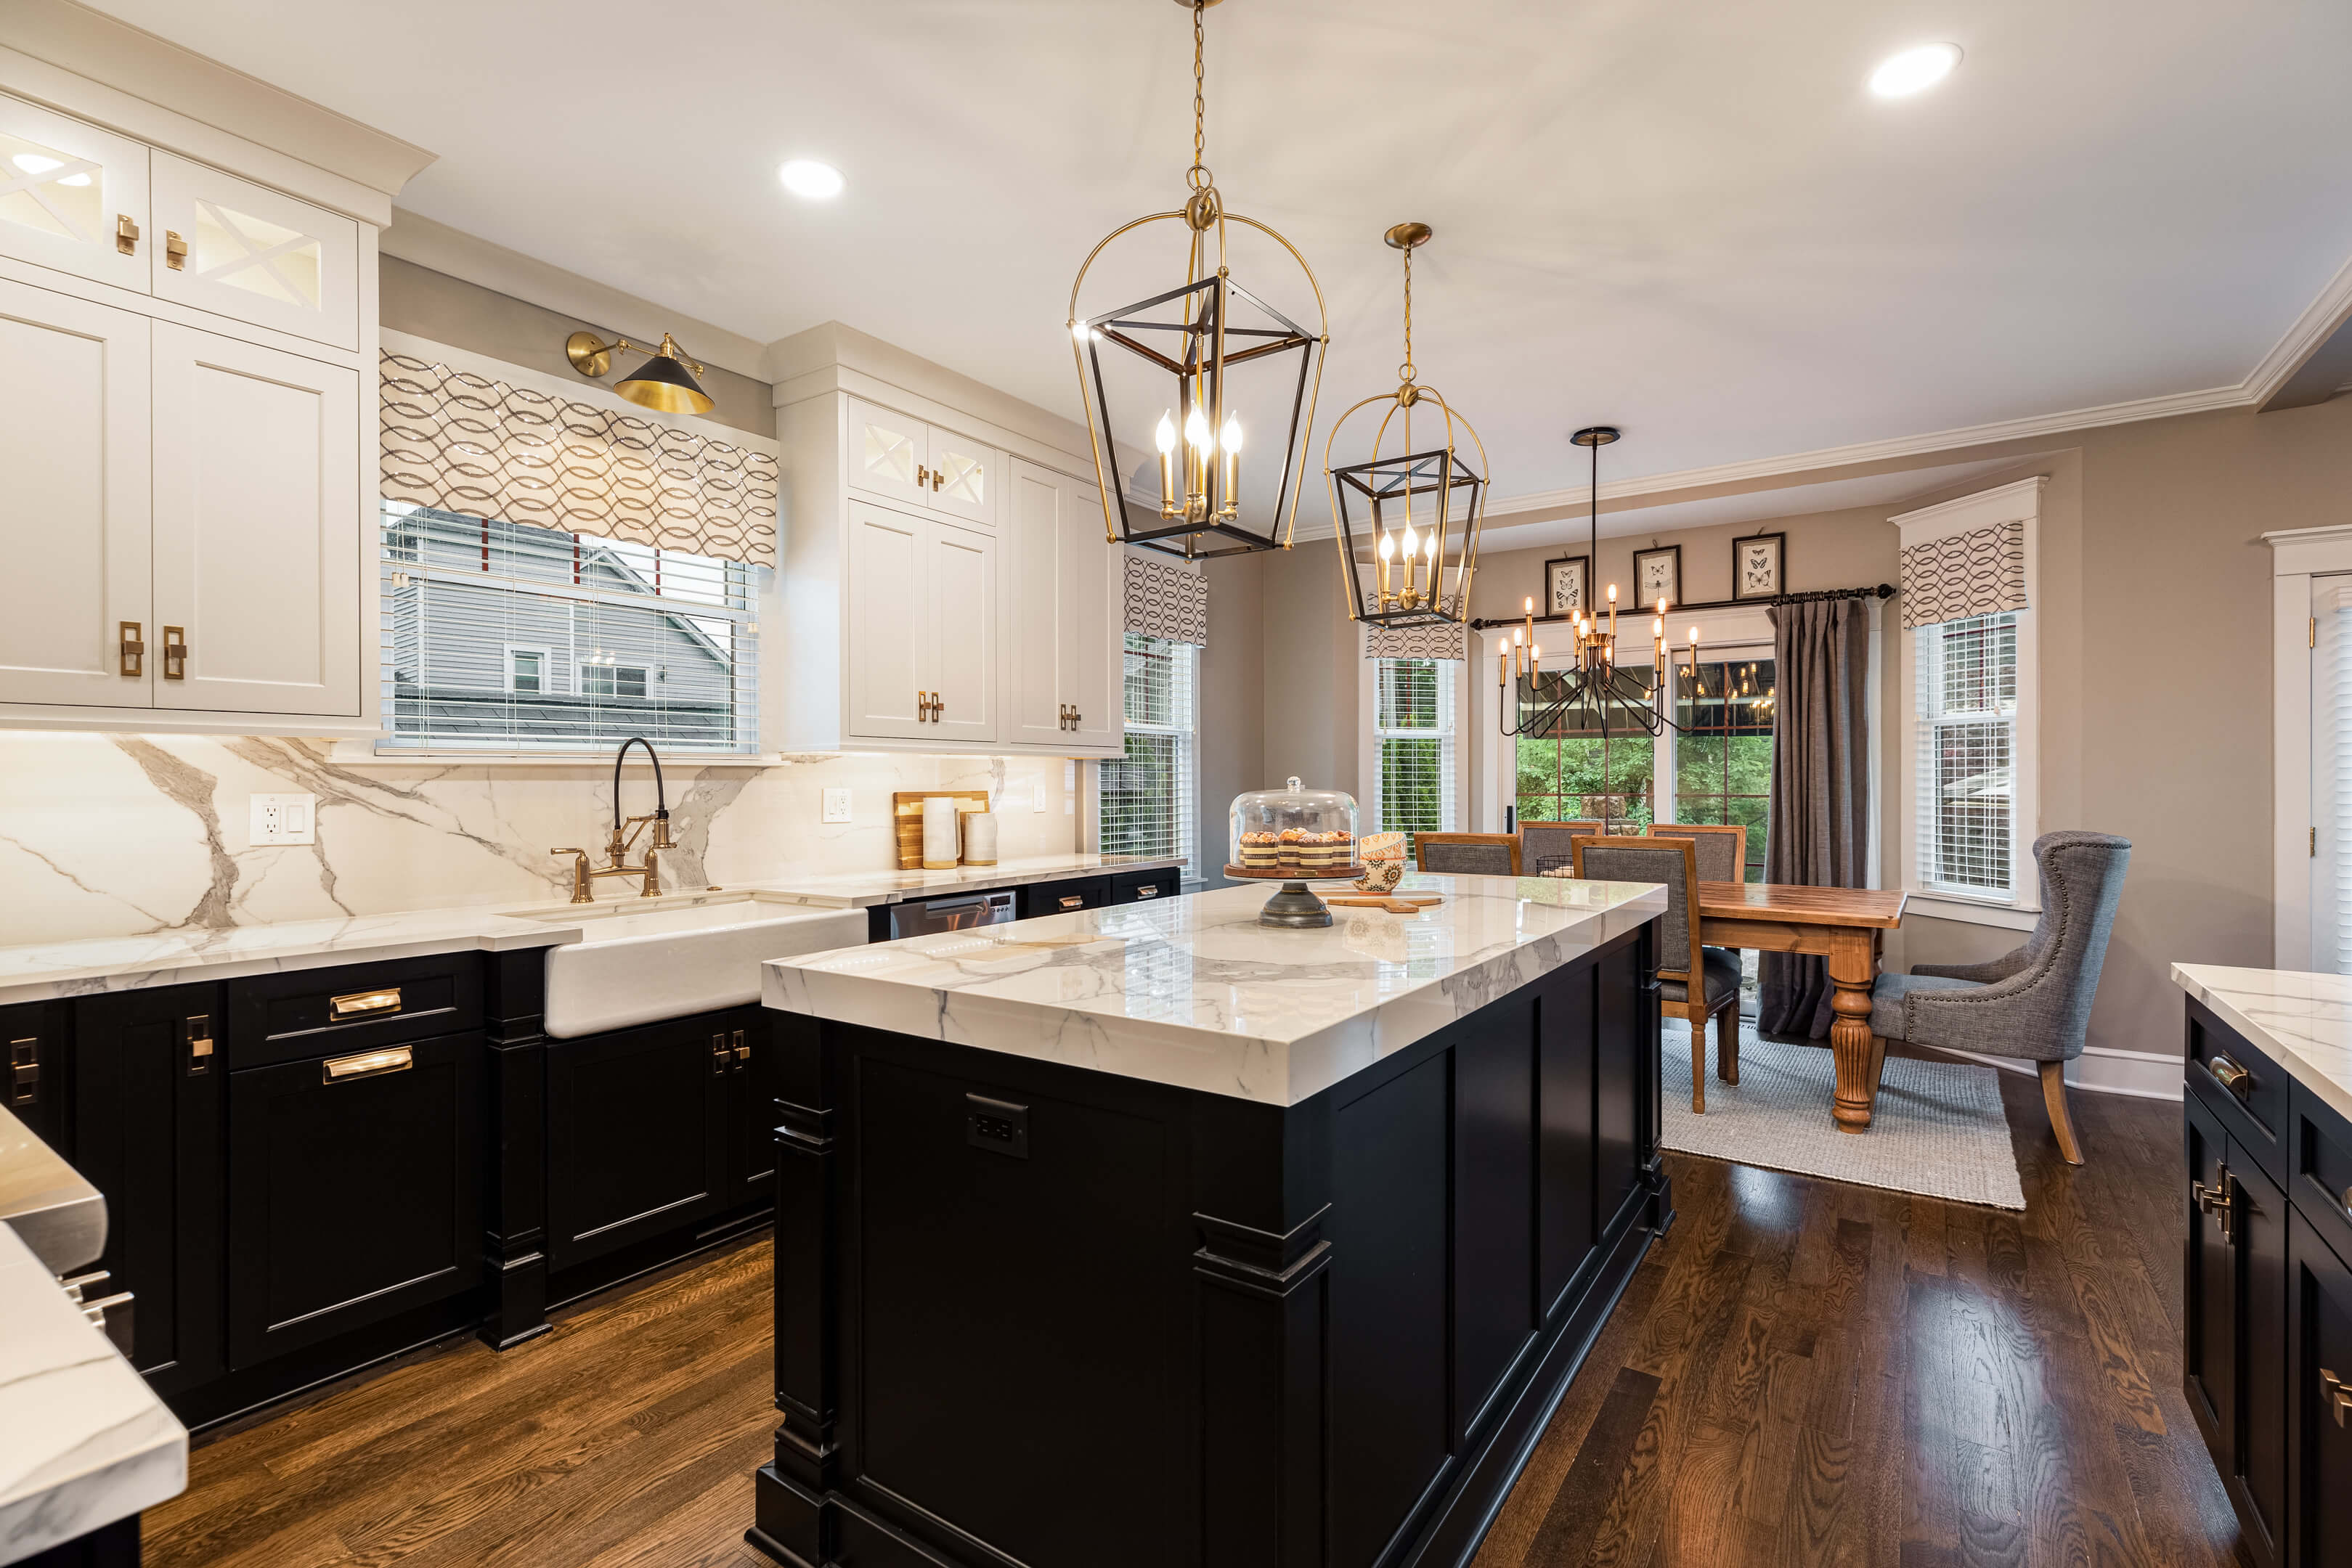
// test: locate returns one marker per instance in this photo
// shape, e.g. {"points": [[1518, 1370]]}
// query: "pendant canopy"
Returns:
{"points": [[1413, 508], [1205, 366]]}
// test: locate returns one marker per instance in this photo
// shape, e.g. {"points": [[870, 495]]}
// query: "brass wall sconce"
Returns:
{"points": [[665, 381]]}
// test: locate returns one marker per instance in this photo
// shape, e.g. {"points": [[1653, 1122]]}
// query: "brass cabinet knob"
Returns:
{"points": [[2337, 1395], [126, 234], [175, 251]]}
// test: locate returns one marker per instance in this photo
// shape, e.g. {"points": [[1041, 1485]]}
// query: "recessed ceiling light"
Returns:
{"points": [[1913, 70], [807, 177]]}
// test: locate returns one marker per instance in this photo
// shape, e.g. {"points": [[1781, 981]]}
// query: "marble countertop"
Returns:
{"points": [[60, 1217], [2304, 1020], [82, 1441], [45, 971], [1194, 992]]}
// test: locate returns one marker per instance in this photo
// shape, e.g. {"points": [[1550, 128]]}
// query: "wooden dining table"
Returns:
{"points": [[1845, 925]]}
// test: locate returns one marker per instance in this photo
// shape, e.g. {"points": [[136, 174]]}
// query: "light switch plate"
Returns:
{"points": [[284, 819], [836, 805], [1036, 796]]}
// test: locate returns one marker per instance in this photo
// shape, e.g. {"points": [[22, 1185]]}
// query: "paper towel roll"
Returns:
{"points": [[939, 834], [979, 838]]}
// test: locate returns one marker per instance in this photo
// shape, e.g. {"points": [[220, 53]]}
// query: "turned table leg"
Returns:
{"points": [[1852, 966]]}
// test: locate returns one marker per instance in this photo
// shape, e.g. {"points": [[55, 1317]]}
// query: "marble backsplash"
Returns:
{"points": [[116, 835]]}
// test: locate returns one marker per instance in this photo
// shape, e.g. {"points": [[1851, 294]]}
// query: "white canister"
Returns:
{"points": [[939, 834], [979, 838]]}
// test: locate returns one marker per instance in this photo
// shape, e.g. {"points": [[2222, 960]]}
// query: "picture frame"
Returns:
{"points": [[1657, 572], [1757, 566], [1568, 584]]}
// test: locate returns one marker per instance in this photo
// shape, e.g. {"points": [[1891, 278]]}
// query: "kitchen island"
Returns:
{"points": [[1151, 1235]]}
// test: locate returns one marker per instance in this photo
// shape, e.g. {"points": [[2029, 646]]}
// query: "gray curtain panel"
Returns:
{"points": [[1820, 819]]}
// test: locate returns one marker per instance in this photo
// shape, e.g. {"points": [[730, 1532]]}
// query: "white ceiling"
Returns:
{"points": [[1689, 220]]}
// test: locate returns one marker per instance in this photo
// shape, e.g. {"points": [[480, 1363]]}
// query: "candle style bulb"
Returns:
{"points": [[1515, 637], [1613, 593], [1662, 607], [1412, 540], [1196, 429], [1387, 547], [1531, 607], [1429, 544], [1164, 435], [1658, 629], [1230, 438]]}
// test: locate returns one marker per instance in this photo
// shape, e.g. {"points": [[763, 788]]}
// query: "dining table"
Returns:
{"points": [[1845, 925]]}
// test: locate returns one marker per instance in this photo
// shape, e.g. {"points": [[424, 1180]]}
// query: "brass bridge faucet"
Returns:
{"points": [[624, 837]]}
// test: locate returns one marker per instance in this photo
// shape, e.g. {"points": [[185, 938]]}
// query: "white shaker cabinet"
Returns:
{"points": [[961, 615], [920, 654], [908, 461], [74, 197], [1062, 656], [235, 248]]}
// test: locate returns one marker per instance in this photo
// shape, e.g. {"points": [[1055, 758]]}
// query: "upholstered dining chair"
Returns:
{"points": [[1468, 854], [1548, 846], [1722, 857], [1692, 991], [2033, 1003]]}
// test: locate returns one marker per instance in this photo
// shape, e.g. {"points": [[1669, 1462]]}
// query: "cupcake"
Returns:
{"points": [[1290, 849], [1258, 851]]}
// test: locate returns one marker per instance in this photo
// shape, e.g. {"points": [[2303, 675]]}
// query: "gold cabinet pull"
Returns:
{"points": [[365, 1064], [133, 650], [721, 1057], [358, 1003], [922, 477], [126, 234], [1073, 901], [742, 1051], [175, 251], [199, 1036], [2337, 1393], [938, 478], [2215, 1199], [175, 652], [2231, 1076]]}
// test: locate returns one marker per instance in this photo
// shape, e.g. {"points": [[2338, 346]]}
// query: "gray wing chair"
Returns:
{"points": [[2034, 1003]]}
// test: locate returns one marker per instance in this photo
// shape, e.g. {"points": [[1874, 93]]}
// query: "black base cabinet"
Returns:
{"points": [[1032, 1314]]}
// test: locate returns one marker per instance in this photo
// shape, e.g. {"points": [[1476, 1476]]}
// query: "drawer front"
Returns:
{"points": [[2253, 1098], [332, 1012], [240, 250], [2321, 1159], [355, 1190], [1064, 897], [1144, 886]]}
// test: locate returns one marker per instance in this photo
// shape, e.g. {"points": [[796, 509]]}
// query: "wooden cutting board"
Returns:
{"points": [[907, 816]]}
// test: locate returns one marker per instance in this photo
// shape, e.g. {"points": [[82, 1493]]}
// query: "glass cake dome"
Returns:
{"points": [[1294, 833]]}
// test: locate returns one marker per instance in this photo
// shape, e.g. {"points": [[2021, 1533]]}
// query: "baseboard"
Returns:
{"points": [[2101, 1069]]}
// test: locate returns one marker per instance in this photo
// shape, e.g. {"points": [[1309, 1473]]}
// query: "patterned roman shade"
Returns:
{"points": [[459, 442], [1445, 639], [1166, 601], [1964, 575]]}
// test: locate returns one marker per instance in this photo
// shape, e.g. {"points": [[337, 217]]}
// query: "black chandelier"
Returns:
{"points": [[1197, 334], [1595, 679]]}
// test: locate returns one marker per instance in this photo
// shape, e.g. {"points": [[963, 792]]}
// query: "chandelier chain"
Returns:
{"points": [[1197, 176], [1405, 370]]}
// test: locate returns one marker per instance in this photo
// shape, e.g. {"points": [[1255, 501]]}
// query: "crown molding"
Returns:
{"points": [[2326, 316]]}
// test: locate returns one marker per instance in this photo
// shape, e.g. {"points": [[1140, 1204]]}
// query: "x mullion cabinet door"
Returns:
{"points": [[73, 197]]}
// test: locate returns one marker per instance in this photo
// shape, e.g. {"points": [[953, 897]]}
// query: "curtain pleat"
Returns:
{"points": [[1819, 827]]}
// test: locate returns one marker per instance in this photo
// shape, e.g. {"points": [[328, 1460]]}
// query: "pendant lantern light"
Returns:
{"points": [[1206, 366], [1414, 507]]}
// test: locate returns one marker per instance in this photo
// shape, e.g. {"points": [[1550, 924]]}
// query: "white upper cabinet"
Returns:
{"points": [[959, 585], [257, 577], [888, 675], [230, 246], [73, 197], [905, 460], [73, 515], [1063, 657]]}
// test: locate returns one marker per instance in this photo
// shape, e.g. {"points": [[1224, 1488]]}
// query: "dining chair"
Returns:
{"points": [[1693, 992], [1468, 854], [1722, 857], [2033, 1003], [1547, 846]]}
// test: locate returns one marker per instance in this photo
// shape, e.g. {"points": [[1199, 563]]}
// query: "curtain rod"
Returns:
{"points": [[1884, 590]]}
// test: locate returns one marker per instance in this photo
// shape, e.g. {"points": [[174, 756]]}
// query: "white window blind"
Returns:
{"points": [[2331, 776], [1965, 791], [1148, 805], [1413, 726], [503, 637]]}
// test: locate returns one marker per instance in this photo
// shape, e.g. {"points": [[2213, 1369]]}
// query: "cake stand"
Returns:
{"points": [[1294, 905]]}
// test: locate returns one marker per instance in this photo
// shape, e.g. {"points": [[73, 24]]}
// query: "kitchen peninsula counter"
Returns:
{"points": [[1151, 1235]]}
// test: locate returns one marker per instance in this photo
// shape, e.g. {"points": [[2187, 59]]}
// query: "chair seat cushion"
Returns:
{"points": [[1888, 1016], [1720, 971]]}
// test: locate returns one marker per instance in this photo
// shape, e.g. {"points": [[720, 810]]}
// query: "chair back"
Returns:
{"points": [[1672, 861], [1547, 846], [1722, 849], [1468, 854], [2082, 881]]}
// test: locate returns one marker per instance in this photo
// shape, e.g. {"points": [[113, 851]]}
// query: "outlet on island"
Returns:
{"points": [[999, 1126]]}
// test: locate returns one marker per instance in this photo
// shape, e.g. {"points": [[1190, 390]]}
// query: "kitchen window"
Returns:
{"points": [[500, 637], [1414, 772], [1148, 798]]}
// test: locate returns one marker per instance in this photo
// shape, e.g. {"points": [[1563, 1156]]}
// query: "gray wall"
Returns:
{"points": [[1232, 698], [1312, 651]]}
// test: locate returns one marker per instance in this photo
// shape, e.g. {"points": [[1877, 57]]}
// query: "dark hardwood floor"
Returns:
{"points": [[1802, 1373]]}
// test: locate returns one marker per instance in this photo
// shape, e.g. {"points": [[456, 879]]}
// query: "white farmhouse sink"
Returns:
{"points": [[639, 965]]}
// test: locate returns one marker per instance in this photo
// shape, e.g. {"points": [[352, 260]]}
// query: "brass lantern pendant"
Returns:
{"points": [[1199, 336], [1414, 508]]}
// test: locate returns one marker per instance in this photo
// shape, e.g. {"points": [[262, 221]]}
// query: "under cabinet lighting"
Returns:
{"points": [[807, 178], [1913, 70]]}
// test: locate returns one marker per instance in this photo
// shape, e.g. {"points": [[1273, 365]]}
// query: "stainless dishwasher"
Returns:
{"points": [[957, 914]]}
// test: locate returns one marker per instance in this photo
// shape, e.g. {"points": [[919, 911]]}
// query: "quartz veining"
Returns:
{"points": [[2304, 1020], [1193, 992]]}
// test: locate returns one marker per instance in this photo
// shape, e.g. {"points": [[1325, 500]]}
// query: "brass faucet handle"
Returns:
{"points": [[583, 880], [662, 840]]}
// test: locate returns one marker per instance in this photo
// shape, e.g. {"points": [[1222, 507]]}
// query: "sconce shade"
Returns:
{"points": [[664, 382]]}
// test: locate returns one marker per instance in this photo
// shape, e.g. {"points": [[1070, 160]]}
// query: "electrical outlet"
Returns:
{"points": [[284, 819], [836, 805], [1036, 796]]}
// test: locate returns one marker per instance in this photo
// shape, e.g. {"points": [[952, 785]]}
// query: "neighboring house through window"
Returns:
{"points": [[1147, 800], [1413, 765]]}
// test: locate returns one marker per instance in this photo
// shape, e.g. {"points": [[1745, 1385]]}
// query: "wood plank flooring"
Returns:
{"points": [[1802, 1373]]}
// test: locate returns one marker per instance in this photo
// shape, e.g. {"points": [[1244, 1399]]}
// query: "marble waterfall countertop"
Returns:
{"points": [[1194, 992], [44, 971], [2304, 1020]]}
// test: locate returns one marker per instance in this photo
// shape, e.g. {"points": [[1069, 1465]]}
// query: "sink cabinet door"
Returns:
{"points": [[751, 1162], [637, 1134]]}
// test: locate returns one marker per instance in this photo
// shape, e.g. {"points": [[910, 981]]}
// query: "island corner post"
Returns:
{"points": [[1030, 1313]]}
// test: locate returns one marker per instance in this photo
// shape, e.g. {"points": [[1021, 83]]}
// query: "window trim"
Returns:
{"points": [[580, 676], [1198, 865], [546, 666], [1367, 741], [2020, 502], [2297, 556]]}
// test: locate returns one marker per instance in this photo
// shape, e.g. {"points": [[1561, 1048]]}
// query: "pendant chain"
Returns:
{"points": [[1200, 101], [1405, 370]]}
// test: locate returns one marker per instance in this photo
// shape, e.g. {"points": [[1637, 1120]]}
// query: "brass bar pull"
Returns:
{"points": [[922, 477], [23, 1083], [133, 647], [2337, 1394], [126, 234], [742, 1051], [366, 1064], [938, 478], [2217, 1200], [175, 251], [359, 1002], [721, 1057], [2233, 1077], [199, 1036], [175, 652], [1073, 901]]}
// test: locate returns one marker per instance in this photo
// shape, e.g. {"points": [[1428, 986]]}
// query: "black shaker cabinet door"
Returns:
{"points": [[2319, 1402], [636, 1134], [355, 1191], [2209, 1347], [2259, 1233]]}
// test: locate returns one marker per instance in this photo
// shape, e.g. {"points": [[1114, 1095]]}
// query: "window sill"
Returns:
{"points": [[1969, 911], [367, 753]]}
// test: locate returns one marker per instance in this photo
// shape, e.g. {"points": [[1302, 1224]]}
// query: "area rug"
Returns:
{"points": [[1939, 1128]]}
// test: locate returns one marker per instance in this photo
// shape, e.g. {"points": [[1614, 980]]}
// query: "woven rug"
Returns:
{"points": [[1939, 1128]]}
